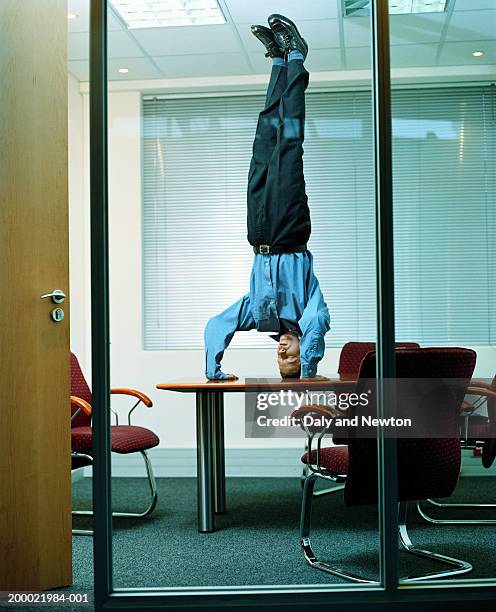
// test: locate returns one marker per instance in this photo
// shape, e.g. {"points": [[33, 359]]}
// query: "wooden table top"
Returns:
{"points": [[192, 385]]}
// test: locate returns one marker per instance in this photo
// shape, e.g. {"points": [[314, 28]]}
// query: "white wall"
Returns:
{"points": [[79, 242], [172, 416]]}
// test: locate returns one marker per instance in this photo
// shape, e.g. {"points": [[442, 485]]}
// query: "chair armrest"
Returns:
{"points": [[468, 407], [484, 391], [326, 411], [141, 396], [81, 404], [317, 411], [317, 432], [481, 384]]}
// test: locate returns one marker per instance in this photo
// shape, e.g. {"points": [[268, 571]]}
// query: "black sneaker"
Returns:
{"points": [[286, 35], [266, 37]]}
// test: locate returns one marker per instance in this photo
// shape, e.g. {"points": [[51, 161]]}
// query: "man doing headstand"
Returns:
{"points": [[285, 295]]}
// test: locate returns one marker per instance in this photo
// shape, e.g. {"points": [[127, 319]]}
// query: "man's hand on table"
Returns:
{"points": [[224, 378]]}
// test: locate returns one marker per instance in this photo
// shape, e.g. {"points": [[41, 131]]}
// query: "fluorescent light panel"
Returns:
{"points": [[164, 13], [356, 8], [400, 7]]}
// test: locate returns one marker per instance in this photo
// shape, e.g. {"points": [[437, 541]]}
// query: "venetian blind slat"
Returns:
{"points": [[196, 155]]}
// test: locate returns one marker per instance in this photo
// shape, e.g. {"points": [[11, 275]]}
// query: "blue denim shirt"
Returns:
{"points": [[284, 293]]}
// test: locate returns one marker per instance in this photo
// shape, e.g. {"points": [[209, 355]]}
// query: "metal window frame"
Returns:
{"points": [[342, 597]]}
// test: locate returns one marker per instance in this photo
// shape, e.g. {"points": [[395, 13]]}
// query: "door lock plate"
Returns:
{"points": [[57, 315]]}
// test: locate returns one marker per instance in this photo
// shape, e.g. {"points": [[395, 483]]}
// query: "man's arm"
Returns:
{"points": [[220, 331], [314, 324]]}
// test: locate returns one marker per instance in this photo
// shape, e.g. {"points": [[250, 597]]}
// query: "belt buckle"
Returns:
{"points": [[264, 249]]}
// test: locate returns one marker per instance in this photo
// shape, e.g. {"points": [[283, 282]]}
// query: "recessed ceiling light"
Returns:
{"points": [[478, 53], [123, 70], [163, 13], [357, 8], [72, 16]]}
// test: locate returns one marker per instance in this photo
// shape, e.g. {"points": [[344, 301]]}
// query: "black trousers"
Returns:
{"points": [[278, 213]]}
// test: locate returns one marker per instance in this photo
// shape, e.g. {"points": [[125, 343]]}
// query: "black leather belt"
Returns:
{"points": [[265, 249]]}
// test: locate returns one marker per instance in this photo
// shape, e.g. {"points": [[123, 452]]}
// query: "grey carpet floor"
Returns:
{"points": [[257, 540]]}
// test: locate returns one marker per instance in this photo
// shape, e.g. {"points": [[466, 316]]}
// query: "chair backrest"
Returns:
{"points": [[353, 353], [79, 388], [491, 404], [428, 466], [489, 446]]}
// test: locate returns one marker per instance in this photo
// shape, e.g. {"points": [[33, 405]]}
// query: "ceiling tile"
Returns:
{"points": [[460, 53], [472, 25], [473, 5], [323, 60], [80, 69], [122, 44], [113, 22], [139, 68], [81, 8], [402, 56], [260, 63], [409, 56], [204, 65], [188, 39], [358, 58], [257, 11], [321, 34], [78, 46], [405, 29], [415, 29], [357, 31]]}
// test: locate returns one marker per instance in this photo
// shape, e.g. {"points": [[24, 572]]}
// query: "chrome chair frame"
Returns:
{"points": [[315, 471], [149, 472], [458, 566], [321, 492], [471, 408], [150, 508]]}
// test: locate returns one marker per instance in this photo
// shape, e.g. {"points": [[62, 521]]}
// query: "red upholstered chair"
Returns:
{"points": [[427, 467], [350, 359], [353, 353], [477, 431], [126, 439]]}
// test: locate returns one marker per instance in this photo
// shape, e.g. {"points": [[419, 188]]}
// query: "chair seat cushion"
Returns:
{"points": [[334, 459], [125, 439]]}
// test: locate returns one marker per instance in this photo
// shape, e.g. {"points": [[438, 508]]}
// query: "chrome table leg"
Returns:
{"points": [[219, 470], [205, 462]]}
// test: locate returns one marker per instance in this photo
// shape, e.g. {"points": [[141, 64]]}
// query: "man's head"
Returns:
{"points": [[288, 355]]}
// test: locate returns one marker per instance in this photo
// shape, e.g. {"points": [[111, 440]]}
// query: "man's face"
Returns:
{"points": [[288, 355]]}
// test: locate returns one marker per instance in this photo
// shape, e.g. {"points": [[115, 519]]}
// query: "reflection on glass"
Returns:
{"points": [[184, 104]]}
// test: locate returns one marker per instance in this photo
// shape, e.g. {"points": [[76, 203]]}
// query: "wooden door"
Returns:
{"points": [[35, 476]]}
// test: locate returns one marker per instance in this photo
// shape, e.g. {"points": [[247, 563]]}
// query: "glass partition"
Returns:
{"points": [[443, 100], [202, 126]]}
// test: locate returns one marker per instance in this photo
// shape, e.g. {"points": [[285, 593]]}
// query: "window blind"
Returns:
{"points": [[197, 261]]}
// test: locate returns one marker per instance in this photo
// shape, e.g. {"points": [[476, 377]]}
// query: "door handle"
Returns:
{"points": [[57, 296]]}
